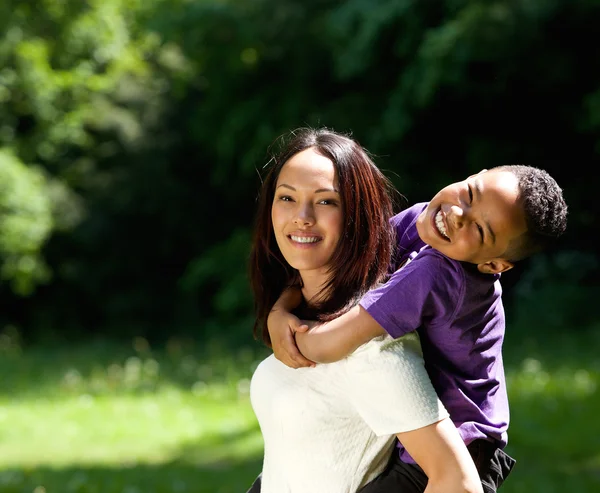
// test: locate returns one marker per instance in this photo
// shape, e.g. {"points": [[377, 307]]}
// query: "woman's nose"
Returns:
{"points": [[304, 215]]}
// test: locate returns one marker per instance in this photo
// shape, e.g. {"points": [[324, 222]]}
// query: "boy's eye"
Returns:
{"points": [[480, 229]]}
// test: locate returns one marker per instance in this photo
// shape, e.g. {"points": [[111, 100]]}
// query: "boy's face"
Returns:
{"points": [[475, 220]]}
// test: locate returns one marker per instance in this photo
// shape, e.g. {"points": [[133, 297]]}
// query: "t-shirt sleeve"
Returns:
{"points": [[392, 391], [405, 232], [426, 291]]}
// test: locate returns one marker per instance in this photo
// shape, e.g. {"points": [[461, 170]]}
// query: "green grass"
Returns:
{"points": [[109, 418], [554, 389], [115, 418]]}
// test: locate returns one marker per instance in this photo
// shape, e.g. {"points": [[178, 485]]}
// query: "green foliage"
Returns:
{"points": [[151, 119], [25, 223], [61, 65], [558, 291], [233, 297]]}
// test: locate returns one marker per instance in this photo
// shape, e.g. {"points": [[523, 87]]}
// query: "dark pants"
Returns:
{"points": [[492, 463], [255, 488]]}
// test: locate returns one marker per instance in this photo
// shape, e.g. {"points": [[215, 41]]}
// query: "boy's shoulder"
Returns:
{"points": [[478, 291], [432, 258], [437, 271]]}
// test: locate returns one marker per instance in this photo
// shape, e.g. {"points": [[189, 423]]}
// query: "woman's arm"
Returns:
{"points": [[442, 454]]}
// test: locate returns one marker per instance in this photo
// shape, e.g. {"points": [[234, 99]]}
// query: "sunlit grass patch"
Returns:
{"points": [[111, 418], [554, 390], [127, 418], [124, 429], [102, 367]]}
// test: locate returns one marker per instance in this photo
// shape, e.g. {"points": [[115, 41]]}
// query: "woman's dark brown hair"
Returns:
{"points": [[361, 258]]}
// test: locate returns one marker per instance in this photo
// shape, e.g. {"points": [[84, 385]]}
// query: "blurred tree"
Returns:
{"points": [[73, 84], [437, 90], [155, 118], [25, 224]]}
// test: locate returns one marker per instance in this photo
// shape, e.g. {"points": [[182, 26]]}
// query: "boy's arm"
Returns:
{"points": [[334, 340], [323, 343]]}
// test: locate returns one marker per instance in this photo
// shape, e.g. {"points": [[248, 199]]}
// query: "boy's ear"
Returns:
{"points": [[495, 266], [478, 173]]}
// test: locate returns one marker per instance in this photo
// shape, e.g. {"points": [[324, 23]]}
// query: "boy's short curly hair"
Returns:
{"points": [[544, 207]]}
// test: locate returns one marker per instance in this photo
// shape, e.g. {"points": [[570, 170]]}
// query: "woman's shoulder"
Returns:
{"points": [[386, 342], [385, 351]]}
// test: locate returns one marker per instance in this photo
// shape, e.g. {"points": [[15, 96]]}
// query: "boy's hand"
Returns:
{"points": [[282, 328]]}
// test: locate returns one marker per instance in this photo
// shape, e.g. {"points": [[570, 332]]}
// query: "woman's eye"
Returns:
{"points": [[285, 198], [470, 194], [327, 202]]}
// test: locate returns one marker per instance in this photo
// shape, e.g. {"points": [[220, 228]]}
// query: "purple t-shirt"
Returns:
{"points": [[459, 316]]}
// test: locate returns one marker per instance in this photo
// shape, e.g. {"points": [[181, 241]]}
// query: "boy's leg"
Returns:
{"points": [[255, 488], [493, 465], [398, 477]]}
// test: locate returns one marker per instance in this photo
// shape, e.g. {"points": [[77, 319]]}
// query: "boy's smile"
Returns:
{"points": [[475, 220]]}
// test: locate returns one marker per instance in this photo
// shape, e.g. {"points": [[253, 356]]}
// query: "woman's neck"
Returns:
{"points": [[312, 284]]}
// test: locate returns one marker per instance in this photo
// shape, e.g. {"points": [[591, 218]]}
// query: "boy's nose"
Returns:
{"points": [[457, 216]]}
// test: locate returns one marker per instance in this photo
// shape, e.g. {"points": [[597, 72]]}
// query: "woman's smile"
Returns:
{"points": [[305, 240]]}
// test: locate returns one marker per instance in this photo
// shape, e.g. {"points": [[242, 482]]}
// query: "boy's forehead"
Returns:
{"points": [[498, 192], [494, 181]]}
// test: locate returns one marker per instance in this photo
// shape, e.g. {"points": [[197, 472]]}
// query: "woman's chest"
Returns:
{"points": [[303, 401]]}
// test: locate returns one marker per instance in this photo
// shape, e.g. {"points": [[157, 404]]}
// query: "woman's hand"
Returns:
{"points": [[283, 325]]}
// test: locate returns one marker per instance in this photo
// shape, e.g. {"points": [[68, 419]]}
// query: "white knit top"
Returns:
{"points": [[331, 429]]}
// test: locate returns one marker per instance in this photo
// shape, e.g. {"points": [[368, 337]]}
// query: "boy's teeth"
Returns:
{"points": [[440, 224], [305, 239]]}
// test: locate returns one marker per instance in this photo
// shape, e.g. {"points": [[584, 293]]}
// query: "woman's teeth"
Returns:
{"points": [[305, 239], [440, 224]]}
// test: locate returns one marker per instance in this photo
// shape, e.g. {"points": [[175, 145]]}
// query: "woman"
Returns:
{"points": [[322, 224]]}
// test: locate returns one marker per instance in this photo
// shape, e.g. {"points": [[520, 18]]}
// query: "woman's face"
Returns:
{"points": [[307, 212]]}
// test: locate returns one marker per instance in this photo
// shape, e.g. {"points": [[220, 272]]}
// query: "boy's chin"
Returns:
{"points": [[421, 225]]}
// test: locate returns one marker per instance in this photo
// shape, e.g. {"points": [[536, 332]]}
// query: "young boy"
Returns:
{"points": [[451, 252]]}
